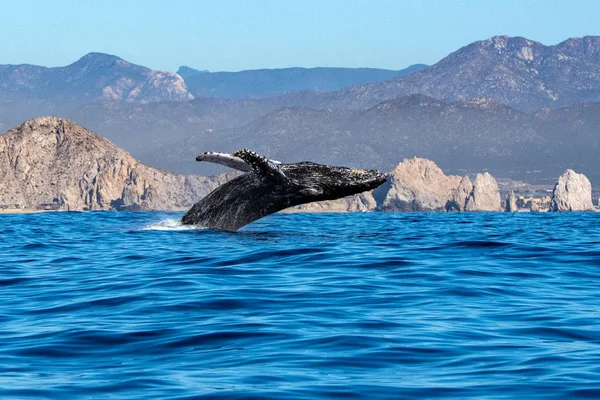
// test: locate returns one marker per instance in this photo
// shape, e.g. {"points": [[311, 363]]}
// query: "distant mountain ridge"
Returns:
{"points": [[274, 82], [28, 91], [95, 76], [514, 71]]}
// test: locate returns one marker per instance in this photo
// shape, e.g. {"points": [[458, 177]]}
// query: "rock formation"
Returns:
{"points": [[459, 196], [54, 161], [572, 192], [485, 195], [418, 184], [357, 203], [511, 202]]}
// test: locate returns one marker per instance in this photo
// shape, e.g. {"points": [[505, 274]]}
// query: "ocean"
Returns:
{"points": [[300, 306]]}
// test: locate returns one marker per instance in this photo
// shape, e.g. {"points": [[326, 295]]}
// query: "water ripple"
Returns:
{"points": [[137, 306]]}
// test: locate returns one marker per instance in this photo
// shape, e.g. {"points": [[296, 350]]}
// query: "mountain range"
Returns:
{"points": [[27, 91], [95, 76], [275, 82], [508, 104], [514, 71]]}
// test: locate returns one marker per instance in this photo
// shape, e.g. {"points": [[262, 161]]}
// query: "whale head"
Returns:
{"points": [[316, 182]]}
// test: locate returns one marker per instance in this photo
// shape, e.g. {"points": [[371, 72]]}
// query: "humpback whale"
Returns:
{"points": [[268, 186]]}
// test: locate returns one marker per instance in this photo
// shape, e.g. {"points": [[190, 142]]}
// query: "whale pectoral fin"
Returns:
{"points": [[265, 169], [224, 159]]}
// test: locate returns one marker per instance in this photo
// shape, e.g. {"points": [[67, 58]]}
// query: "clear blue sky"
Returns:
{"points": [[228, 35]]}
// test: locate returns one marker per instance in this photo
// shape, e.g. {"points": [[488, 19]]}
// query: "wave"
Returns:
{"points": [[170, 224]]}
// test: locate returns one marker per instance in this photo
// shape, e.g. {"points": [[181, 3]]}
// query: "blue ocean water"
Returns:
{"points": [[368, 305]]}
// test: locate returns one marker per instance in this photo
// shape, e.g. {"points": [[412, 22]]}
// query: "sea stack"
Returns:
{"points": [[511, 202], [485, 195], [460, 195], [572, 192], [419, 184]]}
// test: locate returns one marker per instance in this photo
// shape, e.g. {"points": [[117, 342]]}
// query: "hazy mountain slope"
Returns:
{"points": [[275, 82], [575, 133], [461, 137], [142, 128], [295, 134]]}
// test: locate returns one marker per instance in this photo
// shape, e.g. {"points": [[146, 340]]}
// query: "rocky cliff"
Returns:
{"points": [[418, 185], [358, 203], [459, 197], [50, 160], [485, 195], [572, 192]]}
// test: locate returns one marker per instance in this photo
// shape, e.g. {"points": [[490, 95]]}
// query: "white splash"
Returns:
{"points": [[170, 224]]}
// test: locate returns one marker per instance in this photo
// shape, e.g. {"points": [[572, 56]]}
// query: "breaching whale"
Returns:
{"points": [[268, 186]]}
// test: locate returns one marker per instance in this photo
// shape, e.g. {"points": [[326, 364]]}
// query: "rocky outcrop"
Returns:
{"points": [[511, 202], [485, 195], [358, 203], [459, 196], [572, 192], [418, 184], [50, 160]]}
